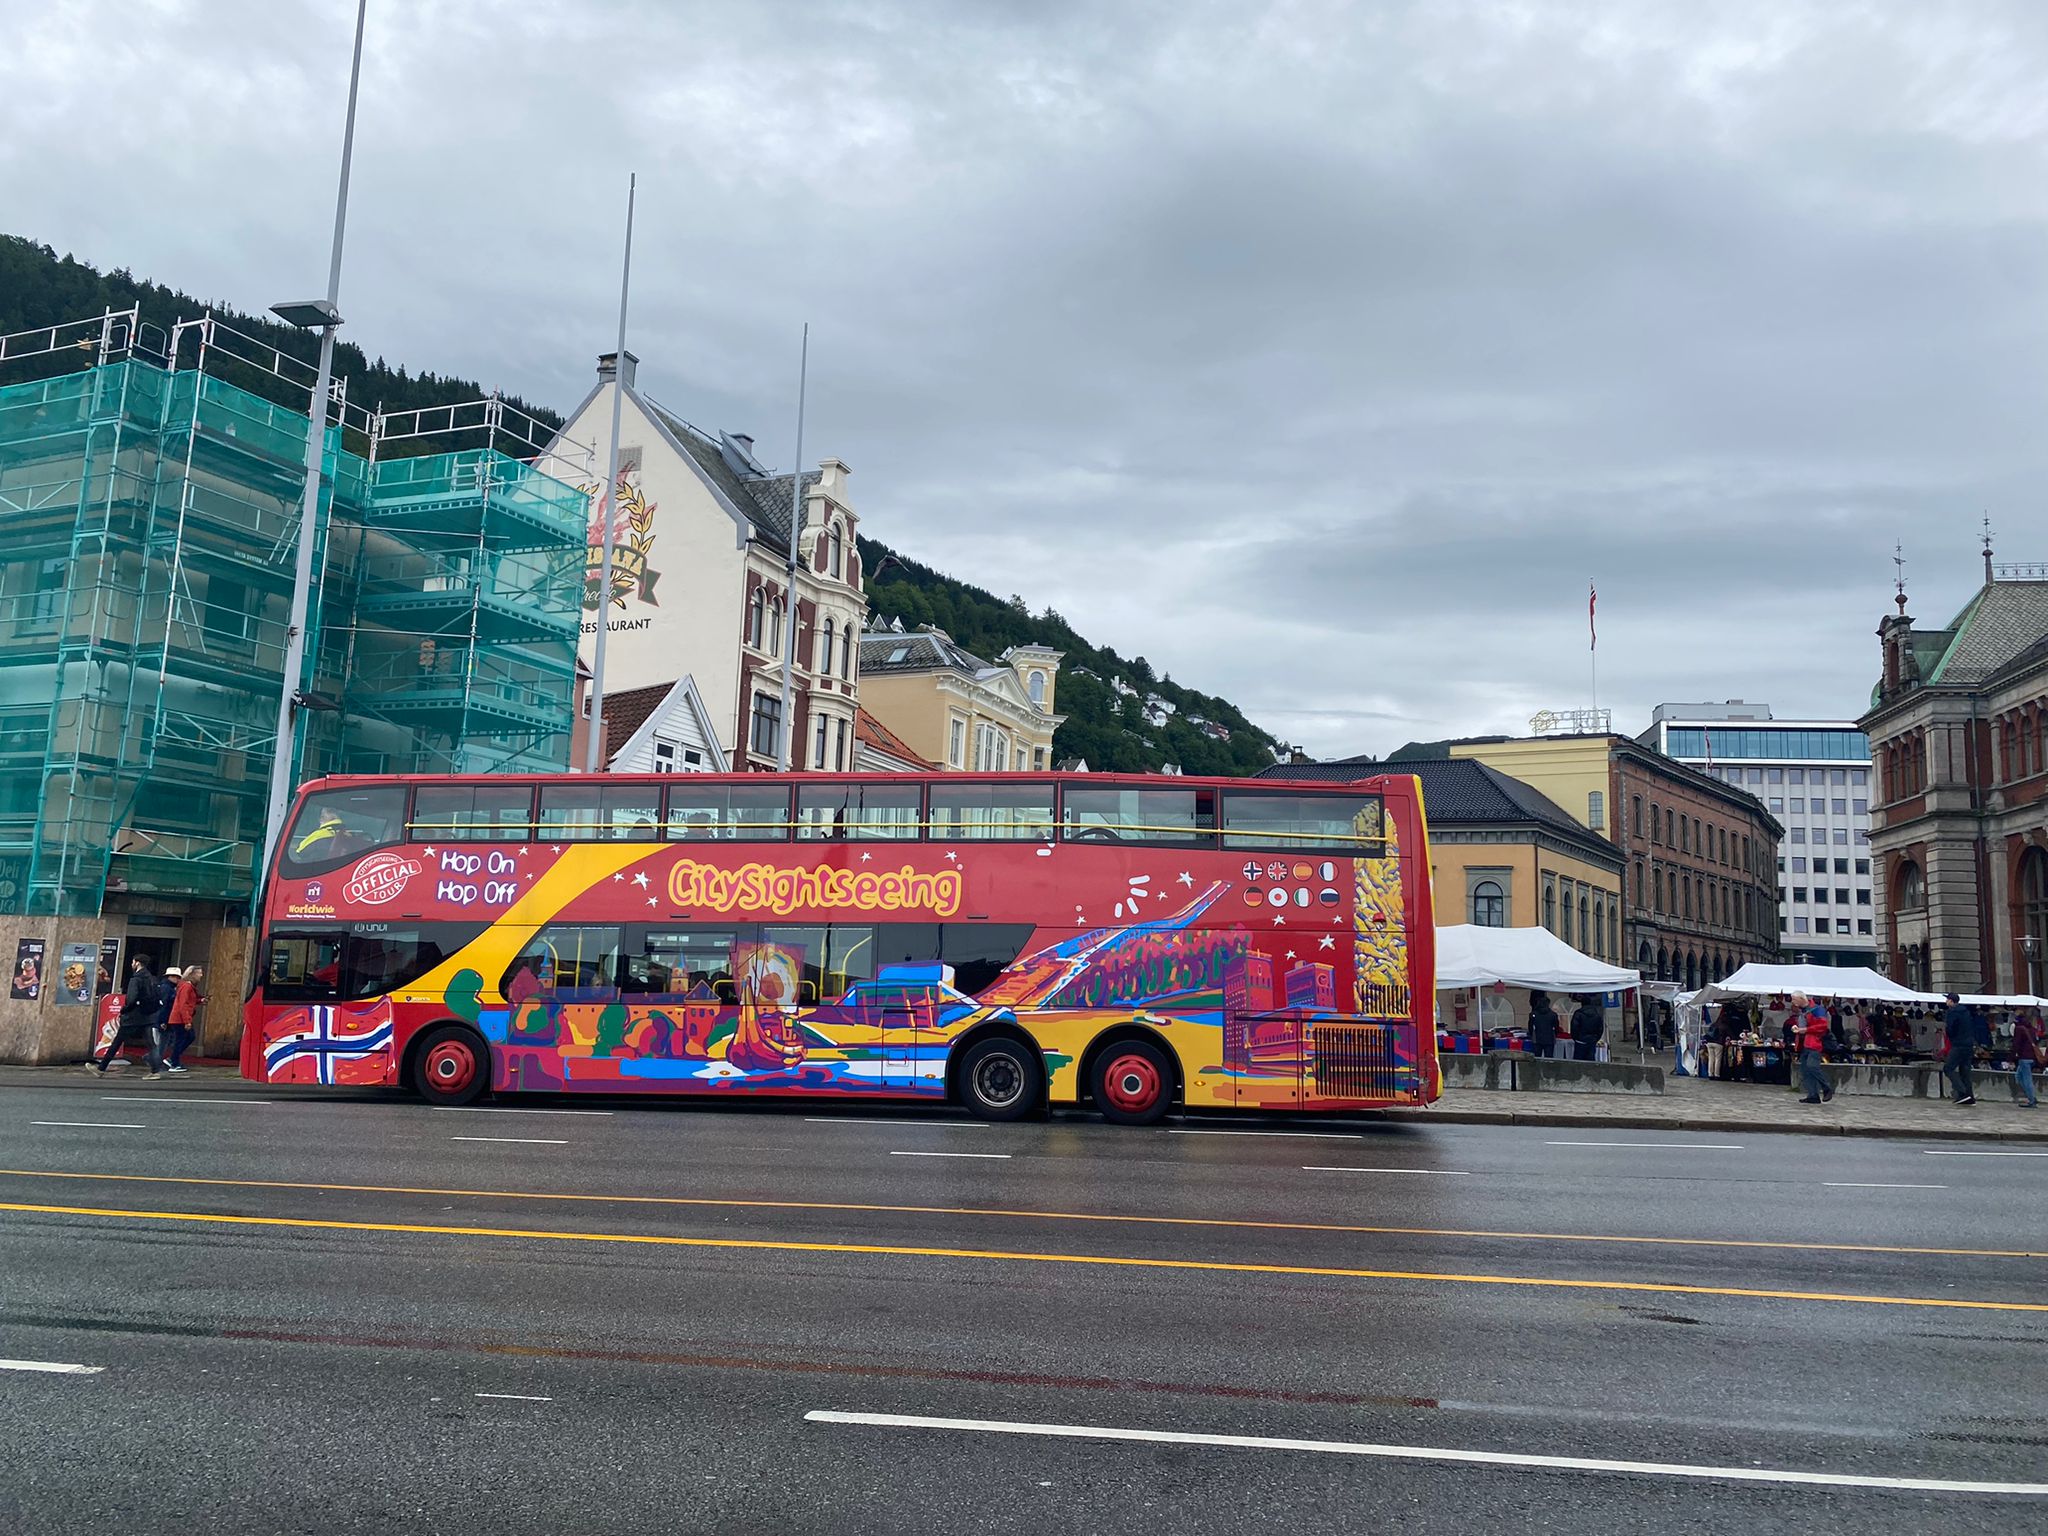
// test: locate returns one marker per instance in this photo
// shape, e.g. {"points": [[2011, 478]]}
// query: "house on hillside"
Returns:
{"points": [[700, 586], [956, 710]]}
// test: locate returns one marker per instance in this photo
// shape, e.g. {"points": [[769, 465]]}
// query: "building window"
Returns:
{"points": [[1863, 925], [48, 592], [1911, 888], [1599, 930], [1037, 687], [2033, 885], [818, 740], [1596, 810], [1656, 826], [956, 738], [775, 628], [1798, 923], [835, 549], [821, 648], [756, 610], [766, 735], [1038, 759], [1549, 901], [839, 751], [664, 751], [845, 651], [1489, 905]]}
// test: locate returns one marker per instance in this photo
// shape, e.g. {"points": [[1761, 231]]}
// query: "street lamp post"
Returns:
{"points": [[323, 315]]}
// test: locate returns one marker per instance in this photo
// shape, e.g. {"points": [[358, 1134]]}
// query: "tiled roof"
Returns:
{"points": [[2001, 621], [626, 711], [921, 650], [1463, 792], [869, 730], [762, 498]]}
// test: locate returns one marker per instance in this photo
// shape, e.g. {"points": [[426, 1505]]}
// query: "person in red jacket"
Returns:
{"points": [[184, 1016], [1811, 1023]]}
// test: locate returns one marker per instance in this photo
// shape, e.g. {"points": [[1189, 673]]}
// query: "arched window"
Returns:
{"points": [[1686, 883], [1588, 938], [1565, 932], [1037, 687], [775, 628], [1910, 887], [1692, 971], [1599, 923], [1549, 904], [845, 651], [1656, 821], [1489, 905], [835, 552], [756, 607], [1637, 888], [821, 652], [2034, 919], [817, 746], [1663, 955]]}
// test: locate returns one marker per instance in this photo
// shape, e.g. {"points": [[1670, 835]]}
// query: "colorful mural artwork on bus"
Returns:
{"points": [[692, 967]]}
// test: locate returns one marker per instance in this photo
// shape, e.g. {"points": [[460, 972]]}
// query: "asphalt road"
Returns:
{"points": [[345, 1312]]}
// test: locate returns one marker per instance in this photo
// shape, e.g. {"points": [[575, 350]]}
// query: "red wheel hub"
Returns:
{"points": [[1132, 1083], [451, 1065]]}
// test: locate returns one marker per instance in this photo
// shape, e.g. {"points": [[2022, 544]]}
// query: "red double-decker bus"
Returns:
{"points": [[1002, 941]]}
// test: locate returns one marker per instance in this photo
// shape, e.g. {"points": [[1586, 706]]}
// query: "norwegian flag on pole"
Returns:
{"points": [[342, 1046], [1592, 629]]}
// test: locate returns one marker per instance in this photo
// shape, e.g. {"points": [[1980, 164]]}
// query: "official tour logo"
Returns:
{"points": [[632, 543], [380, 878]]}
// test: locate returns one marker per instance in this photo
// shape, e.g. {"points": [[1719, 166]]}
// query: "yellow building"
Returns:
{"points": [[1572, 772], [955, 709]]}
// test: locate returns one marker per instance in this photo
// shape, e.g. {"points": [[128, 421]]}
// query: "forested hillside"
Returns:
{"points": [[1107, 727], [1155, 723]]}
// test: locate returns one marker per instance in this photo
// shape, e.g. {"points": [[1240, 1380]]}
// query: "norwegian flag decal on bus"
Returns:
{"points": [[346, 1046]]}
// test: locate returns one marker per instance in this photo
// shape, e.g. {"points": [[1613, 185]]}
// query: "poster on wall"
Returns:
{"points": [[27, 986], [110, 967], [74, 976]]}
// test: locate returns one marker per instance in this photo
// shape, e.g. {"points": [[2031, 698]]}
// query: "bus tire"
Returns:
{"points": [[1001, 1079], [1133, 1083], [451, 1066]]}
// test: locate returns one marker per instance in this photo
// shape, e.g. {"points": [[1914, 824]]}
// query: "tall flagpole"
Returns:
{"points": [[796, 527], [1593, 639], [593, 747]]}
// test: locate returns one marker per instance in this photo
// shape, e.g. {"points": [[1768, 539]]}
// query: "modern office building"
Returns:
{"points": [[151, 488], [1814, 776]]}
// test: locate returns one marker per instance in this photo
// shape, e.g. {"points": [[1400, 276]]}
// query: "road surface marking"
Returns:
{"points": [[1429, 1453], [524, 1141], [943, 1125], [1297, 1135], [1449, 1173], [1932, 1153], [1000, 1255], [515, 1397], [97, 1125], [1001, 1157], [1835, 1184], [495, 1109], [51, 1367], [1658, 1146], [1225, 1222], [180, 1098]]}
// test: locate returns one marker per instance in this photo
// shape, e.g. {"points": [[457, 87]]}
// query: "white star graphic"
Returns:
{"points": [[1290, 953], [615, 878], [1186, 878], [951, 858], [427, 851], [650, 900], [639, 879], [553, 847], [864, 858], [1278, 922], [1326, 942]]}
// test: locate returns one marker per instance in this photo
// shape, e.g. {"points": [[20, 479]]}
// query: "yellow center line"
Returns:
{"points": [[1001, 1255], [1230, 1223]]}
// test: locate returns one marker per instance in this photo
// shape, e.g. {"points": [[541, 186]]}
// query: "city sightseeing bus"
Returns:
{"points": [[1004, 942]]}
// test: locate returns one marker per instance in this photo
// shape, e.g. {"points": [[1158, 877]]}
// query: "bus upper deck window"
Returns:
{"points": [[336, 825], [1141, 815], [1327, 823], [471, 813]]}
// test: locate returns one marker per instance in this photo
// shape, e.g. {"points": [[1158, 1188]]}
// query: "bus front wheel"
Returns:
{"points": [[1001, 1080], [451, 1067], [1133, 1083]]}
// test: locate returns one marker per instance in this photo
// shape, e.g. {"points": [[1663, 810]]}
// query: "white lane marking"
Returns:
{"points": [[182, 1098], [1448, 1173], [498, 1109], [529, 1141], [940, 1125], [1428, 1453], [514, 1397], [51, 1367], [1932, 1153], [1833, 1184], [995, 1156], [97, 1125], [1658, 1146], [1297, 1135]]}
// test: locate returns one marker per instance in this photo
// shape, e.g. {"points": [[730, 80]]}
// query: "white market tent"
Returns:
{"points": [[1471, 956], [1843, 981]]}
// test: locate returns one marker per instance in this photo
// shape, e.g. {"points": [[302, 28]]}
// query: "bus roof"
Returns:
{"points": [[1374, 784]]}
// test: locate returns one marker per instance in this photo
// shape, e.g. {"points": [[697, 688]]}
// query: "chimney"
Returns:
{"points": [[607, 367], [745, 442]]}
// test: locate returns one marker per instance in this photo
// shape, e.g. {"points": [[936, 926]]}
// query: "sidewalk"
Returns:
{"points": [[1698, 1104], [1687, 1104]]}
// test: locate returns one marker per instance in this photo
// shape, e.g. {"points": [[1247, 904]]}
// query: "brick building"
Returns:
{"points": [[1960, 826]]}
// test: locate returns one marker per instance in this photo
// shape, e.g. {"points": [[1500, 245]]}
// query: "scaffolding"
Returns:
{"points": [[151, 488]]}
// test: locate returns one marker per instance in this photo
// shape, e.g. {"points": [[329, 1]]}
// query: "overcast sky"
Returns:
{"points": [[1322, 354]]}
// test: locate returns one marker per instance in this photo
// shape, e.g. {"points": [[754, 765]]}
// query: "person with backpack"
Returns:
{"points": [[140, 1001], [1812, 1024], [1589, 1028]]}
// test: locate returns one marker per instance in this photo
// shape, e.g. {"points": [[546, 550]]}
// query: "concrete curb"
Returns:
{"points": [[1705, 1123]]}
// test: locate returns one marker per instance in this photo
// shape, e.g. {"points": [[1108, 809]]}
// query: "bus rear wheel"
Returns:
{"points": [[451, 1067], [1133, 1083], [1001, 1080]]}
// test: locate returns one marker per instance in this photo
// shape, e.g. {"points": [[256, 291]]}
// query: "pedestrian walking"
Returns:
{"points": [[1814, 1027], [184, 1017], [1959, 1035], [2027, 1054], [1542, 1024], [140, 1001], [1589, 1028]]}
